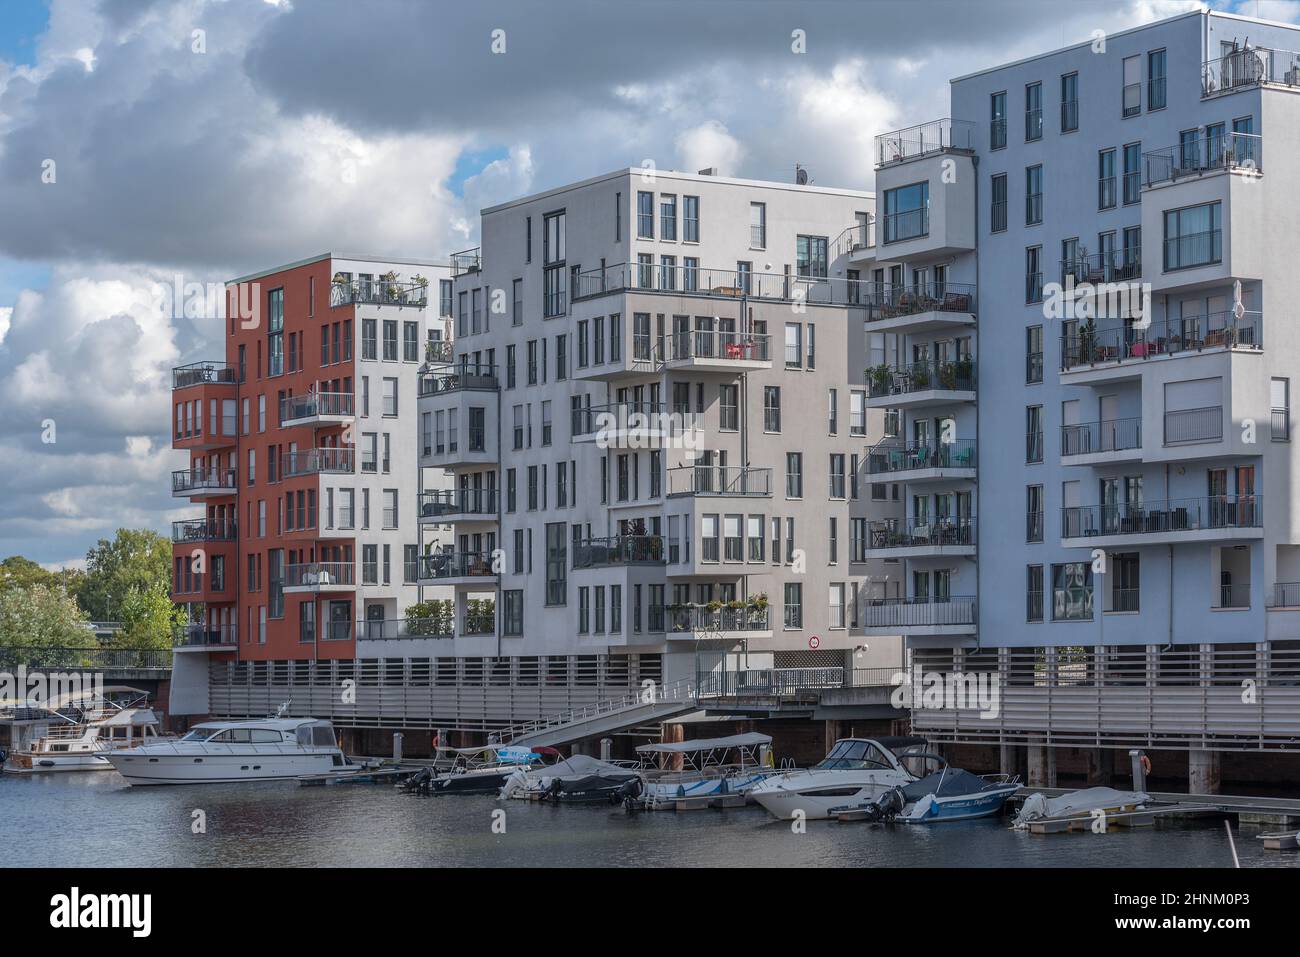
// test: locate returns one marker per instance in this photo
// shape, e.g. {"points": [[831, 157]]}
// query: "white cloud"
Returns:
{"points": [[710, 144]]}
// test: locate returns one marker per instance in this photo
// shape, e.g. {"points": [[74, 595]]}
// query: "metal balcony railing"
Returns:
{"points": [[466, 261], [1202, 154], [712, 344], [696, 280], [914, 533], [1285, 595], [439, 351], [456, 565], [203, 530], [1249, 66], [918, 612], [199, 635], [936, 136], [475, 378], [1187, 426], [1195, 334], [379, 292], [317, 461], [889, 301], [199, 373], [293, 407], [682, 618], [719, 480], [204, 480], [895, 455], [643, 417], [1118, 265], [459, 501], [619, 550], [1193, 249], [949, 375], [1108, 435], [1174, 515], [906, 224], [317, 574]]}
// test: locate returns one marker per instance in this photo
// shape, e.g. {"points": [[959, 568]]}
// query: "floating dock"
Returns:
{"points": [[1165, 805], [362, 776]]}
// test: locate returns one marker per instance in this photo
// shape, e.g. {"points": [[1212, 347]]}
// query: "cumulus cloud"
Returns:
{"points": [[709, 144]]}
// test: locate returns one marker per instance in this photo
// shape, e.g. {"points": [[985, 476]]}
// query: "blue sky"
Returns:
{"points": [[20, 26]]}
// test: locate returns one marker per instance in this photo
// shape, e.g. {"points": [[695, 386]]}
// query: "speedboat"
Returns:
{"points": [[77, 733], [949, 794], [222, 752], [481, 770], [579, 779], [704, 767], [857, 771]]}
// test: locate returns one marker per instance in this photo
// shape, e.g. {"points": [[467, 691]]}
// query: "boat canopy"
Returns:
{"points": [[750, 740], [579, 766]]}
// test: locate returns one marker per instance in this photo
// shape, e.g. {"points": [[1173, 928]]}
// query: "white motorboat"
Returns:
{"points": [[78, 732], [856, 771], [578, 779], [222, 752], [704, 767]]}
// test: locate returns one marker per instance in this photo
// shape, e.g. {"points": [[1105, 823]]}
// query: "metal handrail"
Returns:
{"points": [[1171, 515], [198, 373], [680, 690], [935, 136], [719, 480]]}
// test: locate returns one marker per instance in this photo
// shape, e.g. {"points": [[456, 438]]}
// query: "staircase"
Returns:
{"points": [[606, 717]]}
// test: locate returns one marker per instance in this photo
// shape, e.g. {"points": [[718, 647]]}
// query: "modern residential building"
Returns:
{"points": [[305, 545], [1099, 493]]}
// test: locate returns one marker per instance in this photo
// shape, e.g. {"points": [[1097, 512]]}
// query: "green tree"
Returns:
{"points": [[147, 620], [19, 572], [128, 580], [41, 616]]}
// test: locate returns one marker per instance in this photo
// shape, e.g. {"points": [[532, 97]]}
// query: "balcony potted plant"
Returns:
{"points": [[881, 378], [422, 284], [948, 375], [1087, 341], [391, 289], [757, 607], [920, 376]]}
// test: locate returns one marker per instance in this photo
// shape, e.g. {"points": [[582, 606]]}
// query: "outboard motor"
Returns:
{"points": [[553, 791], [630, 790], [886, 807], [419, 782]]}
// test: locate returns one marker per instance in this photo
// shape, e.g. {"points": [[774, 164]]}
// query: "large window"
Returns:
{"points": [[998, 209], [556, 564], [645, 215], [794, 475], [1033, 112], [793, 605], [1072, 591], [1156, 80], [1193, 236], [1106, 191], [275, 332], [691, 219], [998, 121], [907, 212], [553, 295], [668, 217], [1033, 195], [1069, 102], [811, 254]]}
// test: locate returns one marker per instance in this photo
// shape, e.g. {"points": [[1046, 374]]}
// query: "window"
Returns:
{"points": [[709, 544], [794, 475], [732, 540], [810, 252], [411, 341], [998, 211], [758, 225], [1106, 191], [1033, 433], [1069, 102], [857, 412], [390, 397], [390, 339], [645, 215], [1124, 577], [444, 297], [556, 564], [793, 345], [1033, 355], [1132, 173], [691, 219], [517, 304], [553, 295], [1132, 101], [668, 217], [998, 121], [1033, 112], [907, 212], [837, 605], [275, 332], [1033, 195], [512, 612], [1034, 594], [836, 485], [754, 536], [1034, 274], [728, 408], [772, 408], [410, 564], [832, 411], [1280, 398], [1033, 513], [1072, 591], [793, 605], [1192, 236], [1155, 80]]}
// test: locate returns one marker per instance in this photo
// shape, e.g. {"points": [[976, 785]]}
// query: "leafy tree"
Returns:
{"points": [[147, 620], [136, 558], [42, 616], [19, 572]]}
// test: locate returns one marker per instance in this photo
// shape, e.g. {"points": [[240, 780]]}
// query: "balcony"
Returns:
{"points": [[466, 378], [703, 282], [1102, 443], [197, 636], [920, 307], [720, 480], [459, 505], [1194, 426], [379, 292], [854, 240], [317, 462], [203, 483], [919, 616], [619, 550], [320, 577], [1249, 67], [466, 261], [1082, 275], [898, 461], [921, 538], [202, 530], [458, 568], [202, 373], [937, 136], [316, 408], [1213, 519], [439, 352], [627, 425], [921, 384], [1105, 355], [697, 622], [392, 629], [1196, 156], [705, 349]]}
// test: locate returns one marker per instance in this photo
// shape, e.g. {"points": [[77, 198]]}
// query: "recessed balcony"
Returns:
{"points": [[921, 384], [331, 461], [200, 637], [898, 461], [1212, 519], [1200, 155], [203, 483], [711, 350], [920, 307], [720, 480], [202, 373], [919, 616], [379, 292], [699, 623], [921, 538], [458, 568], [320, 577], [203, 530], [1117, 353], [1107, 442], [1097, 275], [445, 506], [619, 550], [317, 408]]}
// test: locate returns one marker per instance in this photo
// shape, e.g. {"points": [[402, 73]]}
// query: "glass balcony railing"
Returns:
{"points": [[199, 635], [619, 550], [695, 618], [203, 530], [317, 461], [314, 404], [319, 574], [191, 481], [918, 612], [200, 373]]}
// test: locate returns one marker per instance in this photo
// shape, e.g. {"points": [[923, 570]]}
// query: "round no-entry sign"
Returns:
{"points": [[814, 642]]}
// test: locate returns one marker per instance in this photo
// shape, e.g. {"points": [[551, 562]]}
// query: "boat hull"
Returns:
{"points": [[143, 769], [471, 782], [959, 807], [816, 793], [25, 762]]}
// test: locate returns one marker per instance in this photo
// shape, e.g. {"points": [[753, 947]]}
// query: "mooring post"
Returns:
{"points": [[606, 748], [1139, 772], [397, 747]]}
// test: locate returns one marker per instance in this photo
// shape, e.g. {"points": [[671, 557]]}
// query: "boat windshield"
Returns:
{"points": [[854, 756], [199, 734]]}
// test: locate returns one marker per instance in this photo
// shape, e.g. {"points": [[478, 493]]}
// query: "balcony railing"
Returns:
{"points": [[474, 378], [719, 480], [855, 237], [1247, 67], [888, 301], [619, 550], [702, 281], [955, 375], [203, 530], [199, 635], [1174, 515], [1285, 595], [918, 612], [466, 261], [1188, 426], [1118, 265], [478, 623], [379, 292], [642, 417], [391, 629], [313, 404], [456, 565], [894, 455], [459, 501], [1193, 249], [701, 618], [915, 533], [713, 344], [906, 224], [317, 461], [204, 480], [1118, 344], [1202, 154], [317, 574], [936, 136], [439, 351], [198, 373], [1108, 435], [1280, 422]]}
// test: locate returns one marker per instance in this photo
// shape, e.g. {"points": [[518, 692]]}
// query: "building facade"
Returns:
{"points": [[1097, 458]]}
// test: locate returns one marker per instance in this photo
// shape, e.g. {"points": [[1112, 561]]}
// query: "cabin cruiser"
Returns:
{"points": [[77, 732], [222, 752], [949, 794], [856, 771], [579, 779], [704, 767]]}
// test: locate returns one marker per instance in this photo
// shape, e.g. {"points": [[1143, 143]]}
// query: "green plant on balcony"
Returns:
{"points": [[421, 281], [430, 618], [947, 375], [1087, 340], [920, 376], [735, 605], [881, 378], [965, 369], [389, 279]]}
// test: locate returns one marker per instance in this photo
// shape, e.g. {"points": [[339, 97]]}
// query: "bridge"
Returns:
{"points": [[143, 668]]}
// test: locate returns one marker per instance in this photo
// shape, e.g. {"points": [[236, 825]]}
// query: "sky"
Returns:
{"points": [[144, 142]]}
